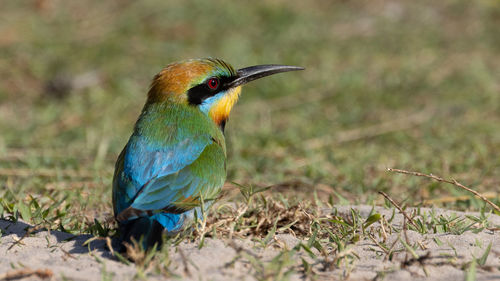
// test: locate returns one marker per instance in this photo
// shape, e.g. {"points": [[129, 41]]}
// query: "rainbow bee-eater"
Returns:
{"points": [[175, 160]]}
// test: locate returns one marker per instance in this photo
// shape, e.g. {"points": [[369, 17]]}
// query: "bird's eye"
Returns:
{"points": [[213, 83]]}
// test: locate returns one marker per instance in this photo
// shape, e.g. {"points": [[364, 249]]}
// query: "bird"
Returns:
{"points": [[174, 163]]}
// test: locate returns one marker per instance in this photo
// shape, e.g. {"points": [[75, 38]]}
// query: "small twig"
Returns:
{"points": [[386, 251], [399, 208], [25, 273], [452, 181], [26, 234], [67, 254]]}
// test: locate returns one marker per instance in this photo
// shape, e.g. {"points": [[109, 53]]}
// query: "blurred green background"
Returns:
{"points": [[401, 84]]}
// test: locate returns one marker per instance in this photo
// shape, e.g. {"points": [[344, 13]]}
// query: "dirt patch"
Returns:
{"points": [[457, 245]]}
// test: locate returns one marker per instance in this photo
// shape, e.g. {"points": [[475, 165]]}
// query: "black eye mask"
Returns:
{"points": [[201, 92]]}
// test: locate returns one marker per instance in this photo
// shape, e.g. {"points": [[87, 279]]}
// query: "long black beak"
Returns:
{"points": [[251, 73]]}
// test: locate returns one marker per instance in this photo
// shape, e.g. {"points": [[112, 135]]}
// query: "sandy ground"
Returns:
{"points": [[63, 256]]}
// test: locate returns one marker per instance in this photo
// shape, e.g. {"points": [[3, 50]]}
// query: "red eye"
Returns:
{"points": [[213, 83]]}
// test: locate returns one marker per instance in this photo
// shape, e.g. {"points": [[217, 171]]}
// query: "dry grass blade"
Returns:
{"points": [[260, 218], [399, 208], [452, 181], [383, 248], [134, 252]]}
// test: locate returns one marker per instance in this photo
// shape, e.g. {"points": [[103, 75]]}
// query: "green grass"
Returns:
{"points": [[404, 84]]}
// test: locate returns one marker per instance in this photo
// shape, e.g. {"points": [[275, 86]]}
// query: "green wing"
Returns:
{"points": [[183, 190]]}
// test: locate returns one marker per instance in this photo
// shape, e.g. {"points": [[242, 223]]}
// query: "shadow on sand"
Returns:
{"points": [[21, 228]]}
